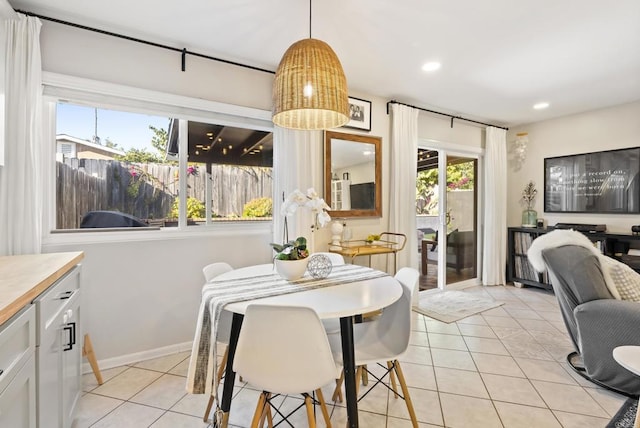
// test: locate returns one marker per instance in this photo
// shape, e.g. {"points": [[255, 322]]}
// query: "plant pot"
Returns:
{"points": [[291, 269], [529, 218]]}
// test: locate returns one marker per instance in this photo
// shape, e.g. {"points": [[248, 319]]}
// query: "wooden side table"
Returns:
{"points": [[629, 358]]}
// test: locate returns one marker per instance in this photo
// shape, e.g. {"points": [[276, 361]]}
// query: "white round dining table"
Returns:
{"points": [[343, 301]]}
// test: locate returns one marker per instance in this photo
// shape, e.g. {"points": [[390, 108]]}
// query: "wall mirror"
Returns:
{"points": [[353, 174]]}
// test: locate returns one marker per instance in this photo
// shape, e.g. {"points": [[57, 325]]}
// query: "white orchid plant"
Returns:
{"points": [[290, 205], [311, 200]]}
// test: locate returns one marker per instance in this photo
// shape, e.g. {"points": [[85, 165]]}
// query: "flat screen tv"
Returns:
{"points": [[363, 196], [599, 182]]}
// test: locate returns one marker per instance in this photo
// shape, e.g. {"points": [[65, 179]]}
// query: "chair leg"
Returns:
{"points": [[262, 401], [337, 393], [205, 418], [365, 377], [358, 377], [405, 392], [223, 365], [269, 416], [311, 417], [266, 414], [392, 377], [221, 368], [87, 351], [323, 407]]}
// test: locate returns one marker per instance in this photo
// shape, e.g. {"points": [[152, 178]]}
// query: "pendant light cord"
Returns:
{"points": [[309, 18]]}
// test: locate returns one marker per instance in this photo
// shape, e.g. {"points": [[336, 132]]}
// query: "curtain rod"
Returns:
{"points": [[445, 114], [183, 51]]}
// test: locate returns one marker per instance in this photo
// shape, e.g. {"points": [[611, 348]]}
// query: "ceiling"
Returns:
{"points": [[499, 57], [217, 144]]}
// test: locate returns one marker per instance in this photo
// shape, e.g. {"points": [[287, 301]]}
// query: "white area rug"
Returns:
{"points": [[451, 306]]}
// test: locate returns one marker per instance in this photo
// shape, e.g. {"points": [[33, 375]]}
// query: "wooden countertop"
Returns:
{"points": [[23, 278]]}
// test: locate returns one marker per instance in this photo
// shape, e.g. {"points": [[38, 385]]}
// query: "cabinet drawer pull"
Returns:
{"points": [[66, 295], [71, 328]]}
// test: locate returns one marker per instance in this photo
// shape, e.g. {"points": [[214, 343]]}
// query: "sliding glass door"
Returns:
{"points": [[461, 218], [447, 217]]}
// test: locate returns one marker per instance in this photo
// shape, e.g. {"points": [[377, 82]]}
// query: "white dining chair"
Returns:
{"points": [[210, 272], [383, 340], [284, 350], [336, 259]]}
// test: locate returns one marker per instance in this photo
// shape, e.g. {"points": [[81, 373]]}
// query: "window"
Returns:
{"points": [[129, 164]]}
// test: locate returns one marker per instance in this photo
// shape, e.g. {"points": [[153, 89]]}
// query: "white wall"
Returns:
{"points": [[437, 128], [144, 294], [359, 173], [606, 129]]}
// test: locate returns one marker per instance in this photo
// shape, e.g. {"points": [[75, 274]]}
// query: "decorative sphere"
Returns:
{"points": [[319, 266]]}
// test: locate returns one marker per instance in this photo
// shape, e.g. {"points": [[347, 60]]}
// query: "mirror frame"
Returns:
{"points": [[357, 138]]}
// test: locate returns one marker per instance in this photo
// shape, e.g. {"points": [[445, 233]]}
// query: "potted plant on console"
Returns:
{"points": [[529, 215]]}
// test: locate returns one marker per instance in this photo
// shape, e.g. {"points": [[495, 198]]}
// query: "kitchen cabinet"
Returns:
{"points": [[58, 352], [40, 340], [18, 371]]}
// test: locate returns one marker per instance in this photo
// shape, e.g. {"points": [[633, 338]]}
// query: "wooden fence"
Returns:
{"points": [[147, 191]]}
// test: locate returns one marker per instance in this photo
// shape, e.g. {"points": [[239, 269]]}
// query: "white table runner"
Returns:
{"points": [[218, 293]]}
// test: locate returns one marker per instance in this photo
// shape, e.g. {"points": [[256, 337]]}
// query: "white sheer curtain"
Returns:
{"points": [[402, 197], [494, 252], [297, 164], [21, 180]]}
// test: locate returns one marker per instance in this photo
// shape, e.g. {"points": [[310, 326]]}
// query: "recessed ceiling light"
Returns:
{"points": [[540, 106], [431, 66]]}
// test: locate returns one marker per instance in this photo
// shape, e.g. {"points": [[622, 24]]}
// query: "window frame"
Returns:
{"points": [[64, 88]]}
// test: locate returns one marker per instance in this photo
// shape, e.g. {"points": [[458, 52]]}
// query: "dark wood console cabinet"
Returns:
{"points": [[519, 270]]}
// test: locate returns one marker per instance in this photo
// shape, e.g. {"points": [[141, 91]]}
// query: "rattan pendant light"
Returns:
{"points": [[310, 88]]}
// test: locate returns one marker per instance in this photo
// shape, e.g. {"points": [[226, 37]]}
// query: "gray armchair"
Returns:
{"points": [[596, 322]]}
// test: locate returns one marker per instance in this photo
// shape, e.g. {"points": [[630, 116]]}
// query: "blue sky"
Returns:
{"points": [[125, 129]]}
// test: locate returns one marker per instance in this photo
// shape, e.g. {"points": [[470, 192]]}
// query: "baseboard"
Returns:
{"points": [[136, 357]]}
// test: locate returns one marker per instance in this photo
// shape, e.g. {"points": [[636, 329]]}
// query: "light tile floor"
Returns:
{"points": [[502, 368]]}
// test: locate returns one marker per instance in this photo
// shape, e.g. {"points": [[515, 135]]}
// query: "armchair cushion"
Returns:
{"points": [[625, 281]]}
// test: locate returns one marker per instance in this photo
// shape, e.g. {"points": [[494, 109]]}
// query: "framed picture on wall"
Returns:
{"points": [[605, 182], [359, 114]]}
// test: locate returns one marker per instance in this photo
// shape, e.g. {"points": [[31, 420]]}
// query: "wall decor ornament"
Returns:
{"points": [[518, 150]]}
